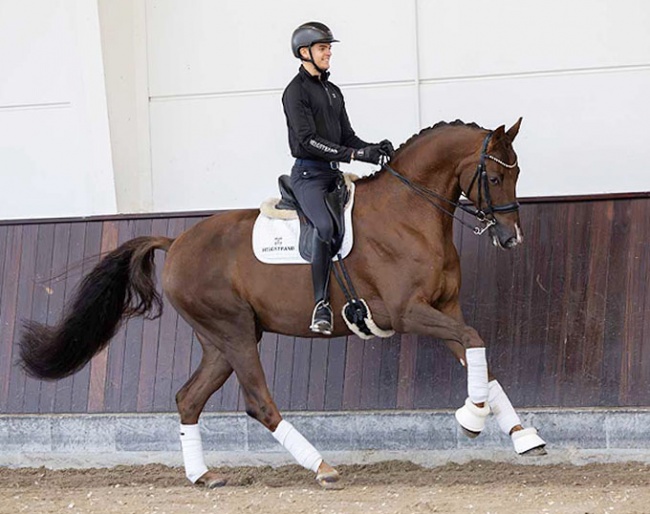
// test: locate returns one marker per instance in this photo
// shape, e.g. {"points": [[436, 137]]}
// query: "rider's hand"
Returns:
{"points": [[371, 153], [387, 147]]}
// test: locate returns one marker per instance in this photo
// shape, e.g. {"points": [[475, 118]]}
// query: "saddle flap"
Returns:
{"points": [[277, 239]]}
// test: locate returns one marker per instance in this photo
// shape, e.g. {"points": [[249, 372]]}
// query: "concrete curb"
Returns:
{"points": [[426, 437]]}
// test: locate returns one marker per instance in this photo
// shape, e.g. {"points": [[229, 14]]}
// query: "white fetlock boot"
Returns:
{"points": [[527, 440], [472, 418]]}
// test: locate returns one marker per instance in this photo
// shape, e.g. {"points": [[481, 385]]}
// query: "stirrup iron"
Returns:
{"points": [[322, 322]]}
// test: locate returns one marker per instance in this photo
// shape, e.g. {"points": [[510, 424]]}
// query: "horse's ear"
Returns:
{"points": [[514, 130], [498, 134]]}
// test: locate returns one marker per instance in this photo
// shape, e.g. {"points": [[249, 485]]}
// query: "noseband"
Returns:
{"points": [[485, 216]]}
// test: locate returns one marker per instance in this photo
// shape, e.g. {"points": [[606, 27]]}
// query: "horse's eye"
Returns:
{"points": [[494, 180]]}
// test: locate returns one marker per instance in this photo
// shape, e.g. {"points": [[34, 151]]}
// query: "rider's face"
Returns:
{"points": [[321, 53]]}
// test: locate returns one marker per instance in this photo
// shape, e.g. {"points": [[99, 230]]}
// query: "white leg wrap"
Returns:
{"points": [[526, 439], [501, 407], [477, 375], [301, 449], [195, 467], [471, 417]]}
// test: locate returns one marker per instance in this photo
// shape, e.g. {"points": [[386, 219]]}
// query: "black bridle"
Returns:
{"points": [[480, 177]]}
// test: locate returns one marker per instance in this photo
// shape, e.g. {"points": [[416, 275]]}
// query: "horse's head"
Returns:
{"points": [[490, 185]]}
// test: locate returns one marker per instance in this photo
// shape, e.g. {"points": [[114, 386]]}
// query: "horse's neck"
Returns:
{"points": [[432, 164]]}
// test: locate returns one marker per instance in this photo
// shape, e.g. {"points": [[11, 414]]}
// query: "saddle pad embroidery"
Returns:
{"points": [[275, 241]]}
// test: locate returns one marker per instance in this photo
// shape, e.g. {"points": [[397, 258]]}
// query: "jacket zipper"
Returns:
{"points": [[327, 92]]}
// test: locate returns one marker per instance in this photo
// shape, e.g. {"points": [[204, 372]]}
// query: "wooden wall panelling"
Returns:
{"points": [[23, 311], [597, 264], [574, 344], [644, 278], [281, 384], [116, 348], [4, 230], [389, 372], [300, 374], [353, 373], [448, 378], [632, 377], [317, 374], [71, 277], [151, 332], [99, 363], [335, 373], [424, 388], [91, 256], [555, 333], [533, 273], [406, 373], [10, 375], [565, 318], [55, 287], [133, 343], [40, 298], [643, 383], [617, 282]]}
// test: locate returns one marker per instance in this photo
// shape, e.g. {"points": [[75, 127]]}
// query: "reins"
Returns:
{"points": [[481, 178]]}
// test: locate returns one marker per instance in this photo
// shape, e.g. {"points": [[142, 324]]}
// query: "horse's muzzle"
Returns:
{"points": [[506, 237]]}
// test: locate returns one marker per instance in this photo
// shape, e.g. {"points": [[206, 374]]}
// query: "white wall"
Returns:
{"points": [[124, 51], [217, 72], [576, 71], [194, 93], [54, 143]]}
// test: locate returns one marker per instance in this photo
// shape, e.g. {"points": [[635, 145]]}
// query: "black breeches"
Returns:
{"points": [[311, 185]]}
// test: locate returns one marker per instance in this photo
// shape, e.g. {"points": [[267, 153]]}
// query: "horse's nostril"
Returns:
{"points": [[512, 242]]}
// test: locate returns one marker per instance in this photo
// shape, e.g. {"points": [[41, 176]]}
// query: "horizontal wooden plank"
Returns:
{"points": [[566, 318]]}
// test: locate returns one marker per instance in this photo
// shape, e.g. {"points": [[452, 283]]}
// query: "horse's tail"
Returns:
{"points": [[120, 286]]}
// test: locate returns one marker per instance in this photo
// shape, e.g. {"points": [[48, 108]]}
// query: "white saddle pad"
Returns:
{"points": [[275, 241]]}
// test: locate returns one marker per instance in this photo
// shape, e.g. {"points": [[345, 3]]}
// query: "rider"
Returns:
{"points": [[320, 137]]}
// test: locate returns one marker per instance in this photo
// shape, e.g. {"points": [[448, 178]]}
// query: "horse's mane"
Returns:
{"points": [[439, 125], [426, 130]]}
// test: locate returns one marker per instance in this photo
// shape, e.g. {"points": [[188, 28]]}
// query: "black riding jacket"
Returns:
{"points": [[318, 124]]}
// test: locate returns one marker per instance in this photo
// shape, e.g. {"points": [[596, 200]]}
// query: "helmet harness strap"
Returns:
{"points": [[311, 60]]}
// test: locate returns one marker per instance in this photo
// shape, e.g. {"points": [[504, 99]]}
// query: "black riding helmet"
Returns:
{"points": [[309, 34]]}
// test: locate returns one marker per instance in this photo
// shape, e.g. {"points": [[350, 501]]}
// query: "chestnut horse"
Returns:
{"points": [[404, 264]]}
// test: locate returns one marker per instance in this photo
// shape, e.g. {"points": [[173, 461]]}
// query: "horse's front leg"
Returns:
{"points": [[526, 441], [422, 318]]}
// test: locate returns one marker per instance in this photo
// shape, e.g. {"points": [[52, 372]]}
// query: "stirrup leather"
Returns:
{"points": [[321, 318]]}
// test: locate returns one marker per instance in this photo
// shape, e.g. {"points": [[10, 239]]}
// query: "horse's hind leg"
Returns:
{"points": [[211, 374], [260, 406], [525, 440]]}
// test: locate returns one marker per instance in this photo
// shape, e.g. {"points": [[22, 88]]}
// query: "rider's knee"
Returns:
{"points": [[325, 233]]}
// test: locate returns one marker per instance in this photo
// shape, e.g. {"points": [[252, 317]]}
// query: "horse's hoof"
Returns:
{"points": [[528, 443], [329, 480], [469, 433], [212, 480], [538, 451]]}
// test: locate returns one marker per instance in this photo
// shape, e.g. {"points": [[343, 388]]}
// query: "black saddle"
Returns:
{"points": [[335, 201]]}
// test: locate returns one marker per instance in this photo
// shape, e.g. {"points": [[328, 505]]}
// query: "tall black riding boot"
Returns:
{"points": [[321, 264]]}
